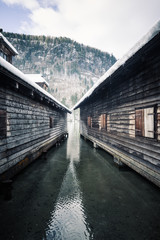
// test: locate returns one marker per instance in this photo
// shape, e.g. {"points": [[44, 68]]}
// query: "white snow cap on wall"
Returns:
{"points": [[37, 78], [8, 44]]}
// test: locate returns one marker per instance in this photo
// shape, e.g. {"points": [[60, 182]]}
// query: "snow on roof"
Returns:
{"points": [[37, 78], [8, 44], [23, 77], [151, 34]]}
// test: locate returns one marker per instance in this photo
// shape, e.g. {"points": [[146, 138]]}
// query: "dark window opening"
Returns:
{"points": [[3, 124], [51, 122]]}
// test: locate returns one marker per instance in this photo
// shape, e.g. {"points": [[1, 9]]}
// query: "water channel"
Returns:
{"points": [[78, 193]]}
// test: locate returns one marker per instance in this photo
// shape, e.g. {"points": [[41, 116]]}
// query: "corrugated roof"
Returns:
{"points": [[8, 44], [10, 68], [151, 34]]}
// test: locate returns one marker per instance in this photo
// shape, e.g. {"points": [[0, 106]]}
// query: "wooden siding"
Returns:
{"points": [[6, 54], [124, 99], [158, 123], [28, 127]]}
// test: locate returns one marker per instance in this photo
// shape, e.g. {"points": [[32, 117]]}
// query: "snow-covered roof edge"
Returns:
{"points": [[9, 44], [37, 78], [26, 79], [151, 34]]}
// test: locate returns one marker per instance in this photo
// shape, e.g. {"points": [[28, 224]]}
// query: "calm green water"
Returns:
{"points": [[78, 193]]}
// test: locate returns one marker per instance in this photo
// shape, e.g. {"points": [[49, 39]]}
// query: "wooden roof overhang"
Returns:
{"points": [[4, 42], [16, 82]]}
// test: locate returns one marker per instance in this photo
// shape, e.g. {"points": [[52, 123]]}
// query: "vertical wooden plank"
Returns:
{"points": [[158, 123], [100, 122], [89, 122], [108, 123], [132, 125], [104, 121], [139, 122], [149, 122]]}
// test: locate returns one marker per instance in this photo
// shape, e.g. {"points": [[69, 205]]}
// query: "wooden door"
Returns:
{"points": [[139, 122]]}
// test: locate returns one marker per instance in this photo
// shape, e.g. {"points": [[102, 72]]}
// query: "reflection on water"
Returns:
{"points": [[68, 218], [78, 193], [73, 143]]}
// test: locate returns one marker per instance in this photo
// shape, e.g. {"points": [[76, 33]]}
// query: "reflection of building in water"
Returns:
{"points": [[73, 144], [75, 116], [68, 218]]}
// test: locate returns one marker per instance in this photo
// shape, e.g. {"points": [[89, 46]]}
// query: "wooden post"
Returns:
{"points": [[118, 162], [95, 145]]}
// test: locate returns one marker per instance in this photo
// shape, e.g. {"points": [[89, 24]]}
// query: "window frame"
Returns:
{"points": [[89, 121], [103, 121], [145, 126]]}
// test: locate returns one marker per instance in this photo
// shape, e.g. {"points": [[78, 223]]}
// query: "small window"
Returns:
{"points": [[144, 122], [4, 56], [9, 58], [103, 121], [89, 121], [3, 124], [51, 122]]}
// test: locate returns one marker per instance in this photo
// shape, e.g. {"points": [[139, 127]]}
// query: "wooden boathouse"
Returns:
{"points": [[31, 119], [7, 51], [121, 112]]}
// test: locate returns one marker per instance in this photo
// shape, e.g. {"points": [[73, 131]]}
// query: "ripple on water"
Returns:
{"points": [[68, 221], [68, 218]]}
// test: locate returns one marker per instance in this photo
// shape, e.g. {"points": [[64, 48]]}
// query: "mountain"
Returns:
{"points": [[69, 67]]}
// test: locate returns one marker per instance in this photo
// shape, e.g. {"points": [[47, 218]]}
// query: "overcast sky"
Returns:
{"points": [[113, 26]]}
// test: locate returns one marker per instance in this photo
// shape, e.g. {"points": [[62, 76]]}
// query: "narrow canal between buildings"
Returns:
{"points": [[78, 193]]}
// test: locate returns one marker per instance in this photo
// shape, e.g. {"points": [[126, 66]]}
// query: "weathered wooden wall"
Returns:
{"points": [[134, 86], [28, 130]]}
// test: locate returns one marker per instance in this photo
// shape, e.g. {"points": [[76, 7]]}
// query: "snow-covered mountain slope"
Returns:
{"points": [[69, 67]]}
